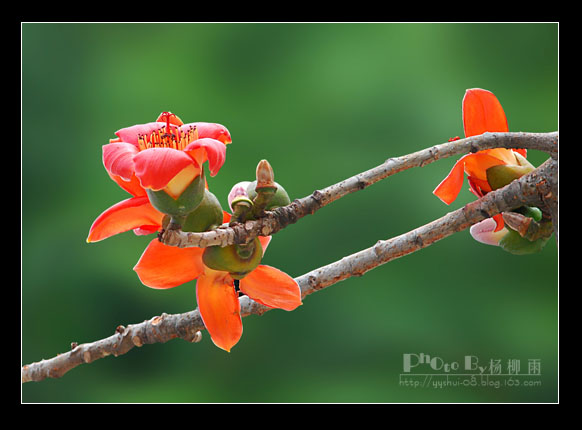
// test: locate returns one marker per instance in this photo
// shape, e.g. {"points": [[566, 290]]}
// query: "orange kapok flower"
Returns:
{"points": [[163, 266], [482, 113], [163, 155]]}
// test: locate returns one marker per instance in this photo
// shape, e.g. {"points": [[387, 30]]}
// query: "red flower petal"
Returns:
{"points": [[209, 129], [478, 186], [118, 159], [144, 230], [476, 165], [130, 134], [219, 308], [208, 149], [482, 112], [449, 188], [265, 240], [132, 186], [155, 167], [163, 266], [271, 287], [500, 223], [174, 119], [124, 216], [522, 151]]}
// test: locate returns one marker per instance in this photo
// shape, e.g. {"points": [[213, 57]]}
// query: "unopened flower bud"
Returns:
{"points": [[265, 175], [239, 190], [484, 232]]}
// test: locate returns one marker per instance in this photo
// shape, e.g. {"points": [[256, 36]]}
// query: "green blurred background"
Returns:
{"points": [[321, 102]]}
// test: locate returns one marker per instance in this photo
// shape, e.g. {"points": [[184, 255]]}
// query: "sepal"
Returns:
{"points": [[180, 207], [238, 260], [503, 174]]}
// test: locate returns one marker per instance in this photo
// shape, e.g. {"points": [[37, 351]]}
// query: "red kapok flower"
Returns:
{"points": [[482, 113], [162, 155], [163, 266]]}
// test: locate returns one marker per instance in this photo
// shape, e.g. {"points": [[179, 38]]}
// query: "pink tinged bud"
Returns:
{"points": [[239, 190], [484, 232]]}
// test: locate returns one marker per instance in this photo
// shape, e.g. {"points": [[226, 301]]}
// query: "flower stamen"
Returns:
{"points": [[169, 136]]}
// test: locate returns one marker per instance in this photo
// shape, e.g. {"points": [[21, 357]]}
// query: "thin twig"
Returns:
{"points": [[281, 217], [531, 189]]}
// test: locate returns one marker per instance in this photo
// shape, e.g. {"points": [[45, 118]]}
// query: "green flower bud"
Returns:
{"points": [[501, 175], [531, 212], [178, 208], [280, 198], [238, 260], [513, 243]]}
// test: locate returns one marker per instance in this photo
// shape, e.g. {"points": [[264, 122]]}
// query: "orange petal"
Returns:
{"points": [[163, 266], [174, 119], [482, 112], [219, 308], [271, 287], [265, 240], [478, 186], [449, 188], [503, 154], [124, 216], [476, 165], [500, 223], [132, 186]]}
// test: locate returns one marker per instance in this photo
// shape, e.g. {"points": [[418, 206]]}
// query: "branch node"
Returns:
{"points": [[195, 338], [137, 341]]}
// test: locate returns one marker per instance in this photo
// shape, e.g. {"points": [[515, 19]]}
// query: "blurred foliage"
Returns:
{"points": [[321, 102]]}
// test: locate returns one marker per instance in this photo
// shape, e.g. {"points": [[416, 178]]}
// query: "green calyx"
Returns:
{"points": [[531, 212], [207, 216], [501, 175], [513, 243], [276, 198], [237, 260], [527, 231], [241, 207], [179, 208]]}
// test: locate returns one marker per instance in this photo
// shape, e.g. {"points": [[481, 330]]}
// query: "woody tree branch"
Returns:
{"points": [[281, 217], [538, 188]]}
